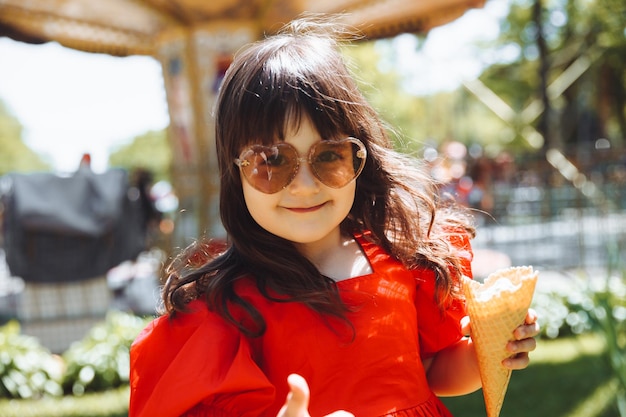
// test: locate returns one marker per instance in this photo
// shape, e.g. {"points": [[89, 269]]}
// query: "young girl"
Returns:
{"points": [[339, 288]]}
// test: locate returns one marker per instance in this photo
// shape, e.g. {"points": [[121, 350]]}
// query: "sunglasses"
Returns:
{"points": [[270, 169]]}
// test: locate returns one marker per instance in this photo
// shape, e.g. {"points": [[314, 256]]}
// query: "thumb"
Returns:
{"points": [[466, 327], [297, 402]]}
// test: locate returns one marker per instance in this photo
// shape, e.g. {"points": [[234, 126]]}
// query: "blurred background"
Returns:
{"points": [[106, 170]]}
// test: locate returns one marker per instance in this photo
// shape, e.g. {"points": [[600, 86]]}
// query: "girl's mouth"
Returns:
{"points": [[306, 209]]}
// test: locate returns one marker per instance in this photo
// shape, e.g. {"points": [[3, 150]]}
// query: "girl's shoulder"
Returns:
{"points": [[198, 313], [179, 324]]}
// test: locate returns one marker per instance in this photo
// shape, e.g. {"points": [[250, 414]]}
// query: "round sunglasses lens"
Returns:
{"points": [[269, 168], [338, 163]]}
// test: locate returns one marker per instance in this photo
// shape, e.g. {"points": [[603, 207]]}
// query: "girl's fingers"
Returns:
{"points": [[521, 346], [516, 362], [530, 328], [526, 331], [531, 316], [297, 402]]}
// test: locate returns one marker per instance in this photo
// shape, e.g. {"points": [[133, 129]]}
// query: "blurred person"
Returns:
{"points": [[141, 184]]}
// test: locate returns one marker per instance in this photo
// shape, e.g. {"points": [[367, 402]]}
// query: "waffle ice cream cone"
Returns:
{"points": [[496, 308]]}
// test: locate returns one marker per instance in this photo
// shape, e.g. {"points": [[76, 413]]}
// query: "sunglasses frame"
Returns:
{"points": [[361, 154]]}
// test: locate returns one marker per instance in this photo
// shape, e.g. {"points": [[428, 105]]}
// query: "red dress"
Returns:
{"points": [[199, 365]]}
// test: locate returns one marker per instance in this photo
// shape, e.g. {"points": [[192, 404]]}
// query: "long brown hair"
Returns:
{"points": [[300, 72]]}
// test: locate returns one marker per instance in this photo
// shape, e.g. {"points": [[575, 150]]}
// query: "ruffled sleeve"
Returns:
{"points": [[195, 361], [439, 329]]}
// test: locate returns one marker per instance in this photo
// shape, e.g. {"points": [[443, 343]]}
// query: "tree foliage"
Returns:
{"points": [[584, 53], [15, 156], [150, 151]]}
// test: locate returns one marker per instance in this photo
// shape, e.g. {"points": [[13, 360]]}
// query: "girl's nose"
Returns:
{"points": [[304, 180]]}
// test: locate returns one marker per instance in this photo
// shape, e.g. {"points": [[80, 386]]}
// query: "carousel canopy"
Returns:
{"points": [[134, 27]]}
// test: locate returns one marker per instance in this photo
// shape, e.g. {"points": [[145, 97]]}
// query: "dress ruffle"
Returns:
{"points": [[202, 411], [431, 408]]}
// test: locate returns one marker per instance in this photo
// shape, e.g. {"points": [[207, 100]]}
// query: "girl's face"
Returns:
{"points": [[305, 211]]}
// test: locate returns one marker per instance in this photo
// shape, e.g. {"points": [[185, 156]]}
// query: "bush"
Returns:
{"points": [[572, 310], [101, 360], [609, 316], [593, 303], [27, 369]]}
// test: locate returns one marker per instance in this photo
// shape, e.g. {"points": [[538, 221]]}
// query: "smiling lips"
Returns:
{"points": [[305, 209]]}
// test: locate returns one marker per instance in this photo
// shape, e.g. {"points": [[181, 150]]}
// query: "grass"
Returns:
{"points": [[112, 403], [566, 378]]}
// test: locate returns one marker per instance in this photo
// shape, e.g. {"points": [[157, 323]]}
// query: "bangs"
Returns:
{"points": [[279, 97], [286, 85]]}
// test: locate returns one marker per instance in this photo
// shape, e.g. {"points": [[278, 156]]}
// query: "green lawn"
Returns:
{"points": [[113, 403], [566, 378]]}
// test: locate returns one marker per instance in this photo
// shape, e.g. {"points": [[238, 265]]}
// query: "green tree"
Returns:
{"points": [[15, 156], [150, 151], [572, 58]]}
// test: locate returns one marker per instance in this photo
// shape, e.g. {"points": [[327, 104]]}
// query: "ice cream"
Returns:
{"points": [[496, 308]]}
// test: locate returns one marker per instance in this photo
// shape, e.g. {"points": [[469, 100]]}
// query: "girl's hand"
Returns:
{"points": [[297, 402], [524, 342]]}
